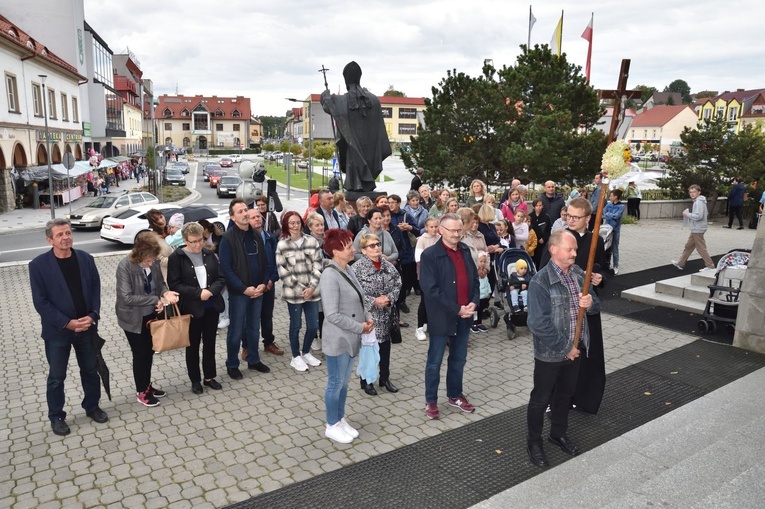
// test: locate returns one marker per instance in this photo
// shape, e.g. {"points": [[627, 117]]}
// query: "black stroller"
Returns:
{"points": [[505, 267], [722, 304]]}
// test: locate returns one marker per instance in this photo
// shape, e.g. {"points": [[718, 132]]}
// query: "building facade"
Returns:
{"points": [[735, 107], [661, 126], [202, 123]]}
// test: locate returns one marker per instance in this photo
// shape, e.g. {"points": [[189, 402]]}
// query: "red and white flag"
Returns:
{"points": [[587, 35]]}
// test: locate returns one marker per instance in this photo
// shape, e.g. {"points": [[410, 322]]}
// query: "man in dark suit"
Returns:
{"points": [[66, 291]]}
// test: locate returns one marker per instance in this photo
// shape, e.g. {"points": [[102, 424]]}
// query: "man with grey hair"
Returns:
{"points": [[327, 209], [449, 282], [66, 292]]}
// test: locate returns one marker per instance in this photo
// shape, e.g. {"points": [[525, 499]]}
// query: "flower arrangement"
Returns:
{"points": [[616, 159]]}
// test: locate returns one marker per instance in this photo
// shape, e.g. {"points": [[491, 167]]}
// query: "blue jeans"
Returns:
{"points": [[615, 248], [455, 362], [57, 354], [514, 297], [339, 369], [311, 310], [244, 314]]}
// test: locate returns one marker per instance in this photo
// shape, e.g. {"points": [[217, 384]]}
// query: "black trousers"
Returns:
{"points": [[483, 305], [267, 317], [202, 332], [384, 361], [143, 355], [408, 280], [737, 212], [422, 313], [554, 384]]}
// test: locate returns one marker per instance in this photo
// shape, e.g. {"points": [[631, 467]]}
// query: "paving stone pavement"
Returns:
{"points": [[265, 431]]}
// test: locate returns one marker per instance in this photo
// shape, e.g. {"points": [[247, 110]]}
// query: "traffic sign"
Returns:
{"points": [[68, 161]]}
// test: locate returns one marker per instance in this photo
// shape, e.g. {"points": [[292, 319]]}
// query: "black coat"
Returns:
{"points": [[182, 278]]}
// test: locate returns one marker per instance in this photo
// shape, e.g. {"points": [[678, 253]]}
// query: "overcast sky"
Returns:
{"points": [[271, 50]]}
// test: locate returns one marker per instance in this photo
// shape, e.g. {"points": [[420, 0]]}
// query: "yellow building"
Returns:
{"points": [[734, 107]]}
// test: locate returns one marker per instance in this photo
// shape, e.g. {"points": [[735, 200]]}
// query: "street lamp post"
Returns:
{"points": [[310, 142], [47, 147]]}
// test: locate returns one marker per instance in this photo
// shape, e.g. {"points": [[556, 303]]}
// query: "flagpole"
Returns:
{"points": [[531, 16]]}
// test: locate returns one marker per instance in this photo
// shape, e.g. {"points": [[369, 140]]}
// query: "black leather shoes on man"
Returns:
{"points": [[565, 444], [213, 384], [196, 388], [259, 367], [234, 373], [368, 388], [59, 427], [388, 386], [537, 454], [98, 415]]}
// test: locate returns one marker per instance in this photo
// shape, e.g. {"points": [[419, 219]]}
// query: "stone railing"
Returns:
{"points": [[666, 209]]}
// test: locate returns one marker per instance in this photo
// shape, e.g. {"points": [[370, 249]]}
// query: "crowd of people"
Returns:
{"points": [[382, 251]]}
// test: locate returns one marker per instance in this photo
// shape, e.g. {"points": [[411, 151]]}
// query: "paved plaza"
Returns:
{"points": [[266, 431]]}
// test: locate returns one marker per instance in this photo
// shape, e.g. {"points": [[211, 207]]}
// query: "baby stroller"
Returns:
{"points": [[505, 267], [722, 304]]}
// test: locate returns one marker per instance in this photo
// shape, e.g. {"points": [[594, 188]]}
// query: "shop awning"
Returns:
{"points": [[118, 159], [40, 173]]}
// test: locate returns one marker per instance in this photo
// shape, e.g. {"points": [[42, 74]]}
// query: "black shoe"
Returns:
{"points": [[98, 415], [740, 228], [213, 384], [537, 454], [728, 227], [403, 307], [234, 373], [417, 291], [389, 386], [259, 367], [565, 444], [368, 388], [403, 325], [59, 427], [196, 388]]}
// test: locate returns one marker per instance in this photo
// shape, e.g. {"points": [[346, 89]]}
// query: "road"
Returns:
{"points": [[25, 245]]}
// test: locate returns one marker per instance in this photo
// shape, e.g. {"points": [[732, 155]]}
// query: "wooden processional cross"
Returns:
{"points": [[620, 97]]}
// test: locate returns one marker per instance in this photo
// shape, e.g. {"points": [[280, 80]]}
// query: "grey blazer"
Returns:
{"points": [[344, 314], [132, 301]]}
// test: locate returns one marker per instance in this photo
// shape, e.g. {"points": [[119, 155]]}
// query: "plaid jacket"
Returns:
{"points": [[299, 268]]}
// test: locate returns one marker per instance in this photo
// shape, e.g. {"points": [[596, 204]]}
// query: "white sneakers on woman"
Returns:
{"points": [[299, 364], [341, 432], [311, 360]]}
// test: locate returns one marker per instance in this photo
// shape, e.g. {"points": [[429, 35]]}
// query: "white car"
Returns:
{"points": [[92, 215], [124, 227], [129, 224], [237, 158]]}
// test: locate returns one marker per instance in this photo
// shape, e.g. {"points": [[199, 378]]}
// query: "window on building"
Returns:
{"points": [[75, 110], [168, 126], [187, 142], [721, 112], [103, 68], [184, 112], [633, 134], [167, 113], [37, 100], [733, 113], [707, 114], [407, 113], [13, 93], [407, 129], [64, 108], [236, 114], [218, 113], [52, 104], [645, 133], [218, 127], [187, 126], [236, 127], [654, 134], [387, 112]]}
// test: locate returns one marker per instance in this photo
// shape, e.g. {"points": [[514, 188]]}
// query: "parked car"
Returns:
{"points": [[237, 158], [129, 224], [173, 177], [228, 186], [276, 156], [226, 163], [92, 215], [209, 167], [125, 226], [215, 177], [663, 158]]}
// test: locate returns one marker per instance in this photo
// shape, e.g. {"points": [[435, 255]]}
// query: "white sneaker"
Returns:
{"points": [[316, 345], [337, 433], [616, 270], [425, 327], [353, 432], [299, 364], [677, 265], [311, 360], [223, 323], [420, 334], [707, 270]]}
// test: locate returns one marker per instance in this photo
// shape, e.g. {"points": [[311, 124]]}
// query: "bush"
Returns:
{"points": [[628, 220]]}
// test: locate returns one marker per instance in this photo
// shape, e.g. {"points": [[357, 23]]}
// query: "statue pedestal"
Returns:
{"points": [[750, 333]]}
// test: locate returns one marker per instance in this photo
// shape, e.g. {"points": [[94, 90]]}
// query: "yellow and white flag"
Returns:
{"points": [[557, 38]]}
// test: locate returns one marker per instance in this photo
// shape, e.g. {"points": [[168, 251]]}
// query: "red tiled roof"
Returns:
{"points": [[177, 103], [739, 95], [658, 115], [385, 99], [14, 34]]}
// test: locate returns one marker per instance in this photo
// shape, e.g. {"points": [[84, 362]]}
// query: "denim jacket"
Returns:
{"points": [[549, 314]]}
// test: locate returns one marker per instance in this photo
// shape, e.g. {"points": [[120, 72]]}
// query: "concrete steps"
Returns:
{"points": [[688, 292]]}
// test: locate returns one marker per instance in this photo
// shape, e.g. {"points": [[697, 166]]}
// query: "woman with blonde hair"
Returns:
{"points": [[478, 192], [439, 207]]}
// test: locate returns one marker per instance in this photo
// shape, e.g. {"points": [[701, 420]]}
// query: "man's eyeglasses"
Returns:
{"points": [[194, 242], [574, 218], [457, 230], [373, 245]]}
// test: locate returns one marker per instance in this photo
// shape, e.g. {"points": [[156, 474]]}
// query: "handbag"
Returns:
{"points": [[393, 327], [171, 332]]}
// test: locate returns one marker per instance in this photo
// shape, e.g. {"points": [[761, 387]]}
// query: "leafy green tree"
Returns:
{"points": [[269, 147], [534, 121], [273, 126], [284, 146], [324, 151], [681, 87], [392, 92], [296, 149]]}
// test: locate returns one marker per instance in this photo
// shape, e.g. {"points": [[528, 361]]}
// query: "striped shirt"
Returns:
{"points": [[569, 281]]}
